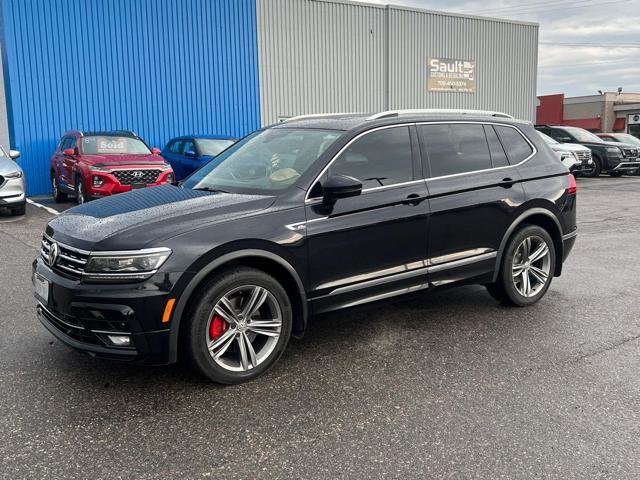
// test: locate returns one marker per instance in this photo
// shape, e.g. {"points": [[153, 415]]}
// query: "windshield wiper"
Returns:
{"points": [[210, 189]]}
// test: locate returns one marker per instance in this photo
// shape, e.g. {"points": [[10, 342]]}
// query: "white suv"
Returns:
{"points": [[12, 184]]}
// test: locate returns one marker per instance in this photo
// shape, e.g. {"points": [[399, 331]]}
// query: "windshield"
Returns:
{"points": [[213, 147], [547, 138], [113, 145], [628, 138], [264, 162], [583, 135]]}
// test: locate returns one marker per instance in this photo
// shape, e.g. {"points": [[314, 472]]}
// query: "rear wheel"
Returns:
{"points": [[595, 168], [239, 326], [527, 268], [58, 196]]}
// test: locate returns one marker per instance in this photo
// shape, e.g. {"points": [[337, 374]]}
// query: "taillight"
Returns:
{"points": [[573, 186]]}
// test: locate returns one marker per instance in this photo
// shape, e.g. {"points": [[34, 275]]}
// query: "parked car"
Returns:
{"points": [[609, 157], [575, 157], [12, 184], [312, 215], [98, 164], [622, 138], [189, 153]]}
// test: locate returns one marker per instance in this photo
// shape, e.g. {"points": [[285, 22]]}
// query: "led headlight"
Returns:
{"points": [[135, 265], [17, 174], [614, 150]]}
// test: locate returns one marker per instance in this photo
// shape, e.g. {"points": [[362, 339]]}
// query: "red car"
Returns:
{"points": [[97, 164]]}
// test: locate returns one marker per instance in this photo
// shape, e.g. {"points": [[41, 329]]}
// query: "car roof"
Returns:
{"points": [[209, 137], [349, 121]]}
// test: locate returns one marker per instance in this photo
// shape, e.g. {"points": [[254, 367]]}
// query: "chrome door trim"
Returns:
{"points": [[463, 261], [382, 296]]}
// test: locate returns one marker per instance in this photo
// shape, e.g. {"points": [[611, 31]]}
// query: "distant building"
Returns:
{"points": [[608, 112]]}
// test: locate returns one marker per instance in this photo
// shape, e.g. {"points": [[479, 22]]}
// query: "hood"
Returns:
{"points": [[122, 160], [8, 165], [568, 147], [135, 219]]}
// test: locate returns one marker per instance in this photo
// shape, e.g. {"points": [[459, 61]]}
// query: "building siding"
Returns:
{"points": [[158, 67], [334, 56]]}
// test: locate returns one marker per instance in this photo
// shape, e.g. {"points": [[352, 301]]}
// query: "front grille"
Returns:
{"points": [[131, 177], [69, 262], [584, 157]]}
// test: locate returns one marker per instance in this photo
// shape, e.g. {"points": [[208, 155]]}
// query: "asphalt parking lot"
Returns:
{"points": [[448, 384]]}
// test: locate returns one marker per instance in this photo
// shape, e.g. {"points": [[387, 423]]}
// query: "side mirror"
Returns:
{"points": [[341, 186], [69, 152], [155, 151], [189, 153], [14, 154]]}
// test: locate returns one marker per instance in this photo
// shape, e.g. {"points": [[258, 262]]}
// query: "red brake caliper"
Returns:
{"points": [[217, 327]]}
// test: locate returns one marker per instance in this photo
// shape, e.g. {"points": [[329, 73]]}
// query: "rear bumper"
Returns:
{"points": [[568, 241]]}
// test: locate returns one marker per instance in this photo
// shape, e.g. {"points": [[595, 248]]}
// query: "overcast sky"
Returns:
{"points": [[571, 69]]}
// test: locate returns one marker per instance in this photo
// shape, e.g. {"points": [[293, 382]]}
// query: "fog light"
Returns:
{"points": [[97, 181], [120, 340]]}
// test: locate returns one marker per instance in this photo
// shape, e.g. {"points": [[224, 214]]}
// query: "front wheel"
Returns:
{"points": [[239, 326], [595, 168], [527, 268], [81, 193], [58, 195]]}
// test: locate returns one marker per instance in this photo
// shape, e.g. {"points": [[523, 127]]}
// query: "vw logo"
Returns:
{"points": [[53, 254], [137, 174]]}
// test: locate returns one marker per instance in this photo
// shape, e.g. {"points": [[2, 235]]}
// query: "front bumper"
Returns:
{"points": [[111, 185], [12, 192], [84, 315], [628, 165]]}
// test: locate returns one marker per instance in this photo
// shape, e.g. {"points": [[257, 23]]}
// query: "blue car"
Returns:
{"points": [[187, 154]]}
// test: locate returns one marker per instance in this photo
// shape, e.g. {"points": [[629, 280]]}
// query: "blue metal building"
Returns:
{"points": [[161, 68]]}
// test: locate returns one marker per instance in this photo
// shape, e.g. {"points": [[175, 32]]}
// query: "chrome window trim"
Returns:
{"points": [[534, 150], [308, 200]]}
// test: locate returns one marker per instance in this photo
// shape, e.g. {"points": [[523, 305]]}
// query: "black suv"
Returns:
{"points": [[304, 217], [613, 158]]}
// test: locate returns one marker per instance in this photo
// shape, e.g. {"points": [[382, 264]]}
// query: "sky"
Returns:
{"points": [[610, 27]]}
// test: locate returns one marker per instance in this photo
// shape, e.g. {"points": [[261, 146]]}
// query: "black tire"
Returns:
{"points": [[58, 196], [595, 171], [615, 174], [20, 210], [504, 289], [195, 329], [81, 195]]}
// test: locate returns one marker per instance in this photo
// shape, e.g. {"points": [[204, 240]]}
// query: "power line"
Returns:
{"points": [[544, 9], [584, 64], [592, 45], [528, 6]]}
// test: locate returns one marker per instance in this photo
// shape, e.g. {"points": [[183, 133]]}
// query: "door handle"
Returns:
{"points": [[413, 199], [507, 182]]}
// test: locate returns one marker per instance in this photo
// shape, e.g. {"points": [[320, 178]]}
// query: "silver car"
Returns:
{"points": [[12, 184], [577, 158]]}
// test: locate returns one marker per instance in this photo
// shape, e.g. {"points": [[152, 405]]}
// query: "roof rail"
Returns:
{"points": [[397, 113], [315, 115]]}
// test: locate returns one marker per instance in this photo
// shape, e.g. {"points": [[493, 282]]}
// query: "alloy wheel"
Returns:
{"points": [[244, 328], [54, 186], [531, 266]]}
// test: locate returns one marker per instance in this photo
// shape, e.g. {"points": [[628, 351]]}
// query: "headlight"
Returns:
{"points": [[17, 174], [136, 265], [613, 150]]}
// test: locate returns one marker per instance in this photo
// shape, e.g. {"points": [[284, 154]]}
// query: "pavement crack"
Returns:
{"points": [[607, 348], [19, 240]]}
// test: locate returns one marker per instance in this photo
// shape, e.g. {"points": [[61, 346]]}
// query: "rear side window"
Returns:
{"points": [[498, 157], [455, 148], [176, 146], [379, 158], [514, 143], [189, 146]]}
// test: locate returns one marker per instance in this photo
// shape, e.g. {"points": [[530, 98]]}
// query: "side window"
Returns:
{"points": [[455, 148], [188, 146], [73, 142], [498, 157], [379, 158], [514, 143], [176, 146], [67, 142], [560, 135]]}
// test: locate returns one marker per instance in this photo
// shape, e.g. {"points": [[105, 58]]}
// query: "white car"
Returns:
{"points": [[12, 184], [577, 158]]}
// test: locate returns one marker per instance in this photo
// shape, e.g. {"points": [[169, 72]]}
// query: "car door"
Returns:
{"points": [[474, 193], [69, 162], [58, 157], [190, 159], [373, 245], [174, 156]]}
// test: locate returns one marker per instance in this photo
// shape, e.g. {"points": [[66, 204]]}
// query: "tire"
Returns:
{"points": [[595, 171], [58, 196], [20, 210], [615, 174], [81, 195], [510, 289], [209, 323]]}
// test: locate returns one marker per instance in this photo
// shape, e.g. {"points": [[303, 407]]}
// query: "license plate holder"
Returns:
{"points": [[41, 288]]}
